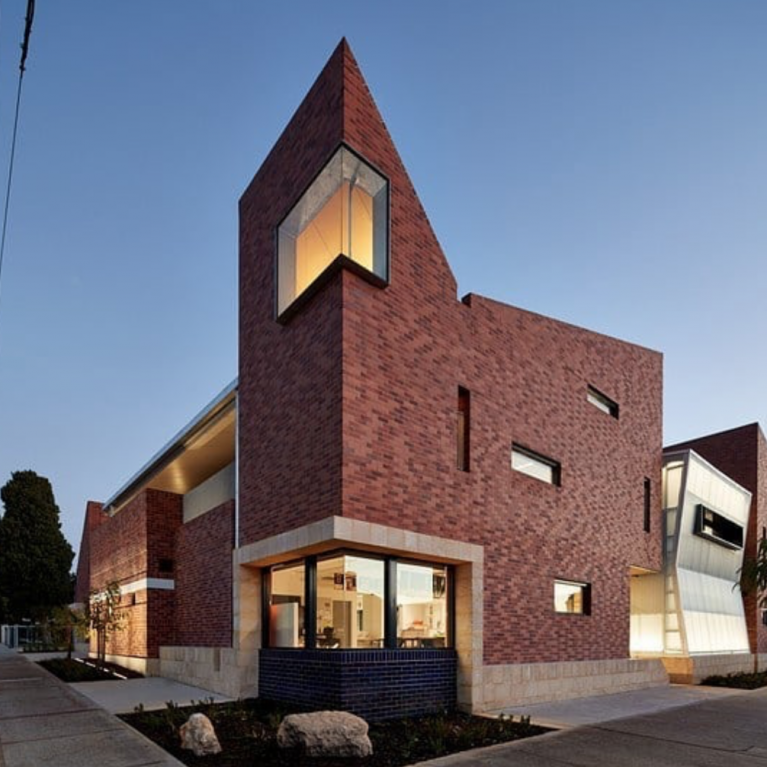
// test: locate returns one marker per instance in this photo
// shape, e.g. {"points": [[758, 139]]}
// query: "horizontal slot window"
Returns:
{"points": [[602, 402], [717, 528], [535, 465]]}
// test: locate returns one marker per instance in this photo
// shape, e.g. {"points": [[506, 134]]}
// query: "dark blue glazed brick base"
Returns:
{"points": [[374, 684]]}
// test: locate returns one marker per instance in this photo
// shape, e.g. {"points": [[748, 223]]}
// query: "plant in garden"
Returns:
{"points": [[104, 616]]}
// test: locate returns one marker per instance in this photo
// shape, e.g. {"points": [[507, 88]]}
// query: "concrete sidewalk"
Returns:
{"points": [[44, 722], [726, 730], [604, 708], [153, 692]]}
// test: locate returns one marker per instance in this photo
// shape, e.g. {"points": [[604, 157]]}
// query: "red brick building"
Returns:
{"points": [[407, 499]]}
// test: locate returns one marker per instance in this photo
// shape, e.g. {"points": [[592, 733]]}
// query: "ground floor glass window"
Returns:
{"points": [[287, 606], [422, 605], [350, 600]]}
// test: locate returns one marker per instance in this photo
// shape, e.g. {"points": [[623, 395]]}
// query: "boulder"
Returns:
{"points": [[325, 733], [199, 737]]}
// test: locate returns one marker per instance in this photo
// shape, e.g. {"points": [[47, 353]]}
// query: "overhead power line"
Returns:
{"points": [[22, 67]]}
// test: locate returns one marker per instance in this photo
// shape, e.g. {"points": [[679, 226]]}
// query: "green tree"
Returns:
{"points": [[35, 558], [65, 625]]}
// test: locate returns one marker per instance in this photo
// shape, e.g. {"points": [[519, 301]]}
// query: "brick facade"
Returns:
{"points": [[204, 579], [135, 544], [742, 454], [94, 516], [349, 407], [377, 685]]}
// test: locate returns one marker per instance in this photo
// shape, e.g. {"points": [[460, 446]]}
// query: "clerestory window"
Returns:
{"points": [[344, 213]]}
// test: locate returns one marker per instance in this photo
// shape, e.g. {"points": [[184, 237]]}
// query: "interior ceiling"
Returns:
{"points": [[202, 456]]}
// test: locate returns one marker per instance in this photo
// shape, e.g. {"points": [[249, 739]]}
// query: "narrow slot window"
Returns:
{"points": [[572, 598], [535, 465], [717, 528], [647, 504], [602, 401], [463, 429]]}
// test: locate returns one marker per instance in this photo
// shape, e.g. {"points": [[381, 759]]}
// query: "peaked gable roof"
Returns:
{"points": [[339, 108]]}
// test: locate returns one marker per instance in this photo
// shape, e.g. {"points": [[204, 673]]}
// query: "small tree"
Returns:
{"points": [[67, 624], [104, 616]]}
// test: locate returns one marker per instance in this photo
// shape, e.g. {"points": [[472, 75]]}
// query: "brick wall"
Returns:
{"points": [[204, 579], [349, 408], [94, 516], [119, 545], [128, 547], [376, 684], [742, 455], [290, 376]]}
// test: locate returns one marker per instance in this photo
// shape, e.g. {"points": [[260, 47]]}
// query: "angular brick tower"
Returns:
{"points": [[295, 378]]}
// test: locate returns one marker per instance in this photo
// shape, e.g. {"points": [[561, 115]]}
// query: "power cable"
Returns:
{"points": [[22, 68]]}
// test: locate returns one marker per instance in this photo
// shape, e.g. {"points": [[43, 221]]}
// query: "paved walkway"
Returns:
{"points": [[604, 708], [44, 722], [122, 696], [723, 731]]}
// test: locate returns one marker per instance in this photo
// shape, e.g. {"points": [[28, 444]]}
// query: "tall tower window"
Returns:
{"points": [[344, 213]]}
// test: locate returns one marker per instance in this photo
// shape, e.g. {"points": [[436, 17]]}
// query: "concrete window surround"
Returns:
{"points": [[333, 532]]}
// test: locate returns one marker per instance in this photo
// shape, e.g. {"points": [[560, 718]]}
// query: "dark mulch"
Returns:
{"points": [[247, 731], [71, 670], [739, 681]]}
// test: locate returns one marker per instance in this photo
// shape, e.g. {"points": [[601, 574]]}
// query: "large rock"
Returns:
{"points": [[325, 733], [199, 737]]}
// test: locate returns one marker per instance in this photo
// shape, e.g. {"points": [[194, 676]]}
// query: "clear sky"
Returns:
{"points": [[602, 162]]}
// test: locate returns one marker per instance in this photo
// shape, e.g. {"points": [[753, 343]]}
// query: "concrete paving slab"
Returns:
{"points": [[117, 748], [719, 729], [122, 696], [736, 723], [45, 722], [38, 702], [594, 747], [604, 708], [589, 746], [19, 669], [26, 728]]}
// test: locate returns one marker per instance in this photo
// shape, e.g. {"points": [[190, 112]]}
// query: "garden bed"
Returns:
{"points": [[76, 670], [742, 681], [247, 731]]}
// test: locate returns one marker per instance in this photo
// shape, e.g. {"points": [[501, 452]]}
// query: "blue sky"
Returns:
{"points": [[601, 162]]}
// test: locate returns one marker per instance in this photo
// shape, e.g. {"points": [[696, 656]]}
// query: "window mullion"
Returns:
{"points": [[310, 611], [390, 602]]}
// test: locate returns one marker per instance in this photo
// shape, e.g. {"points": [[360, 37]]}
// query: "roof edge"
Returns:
{"points": [[196, 424]]}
